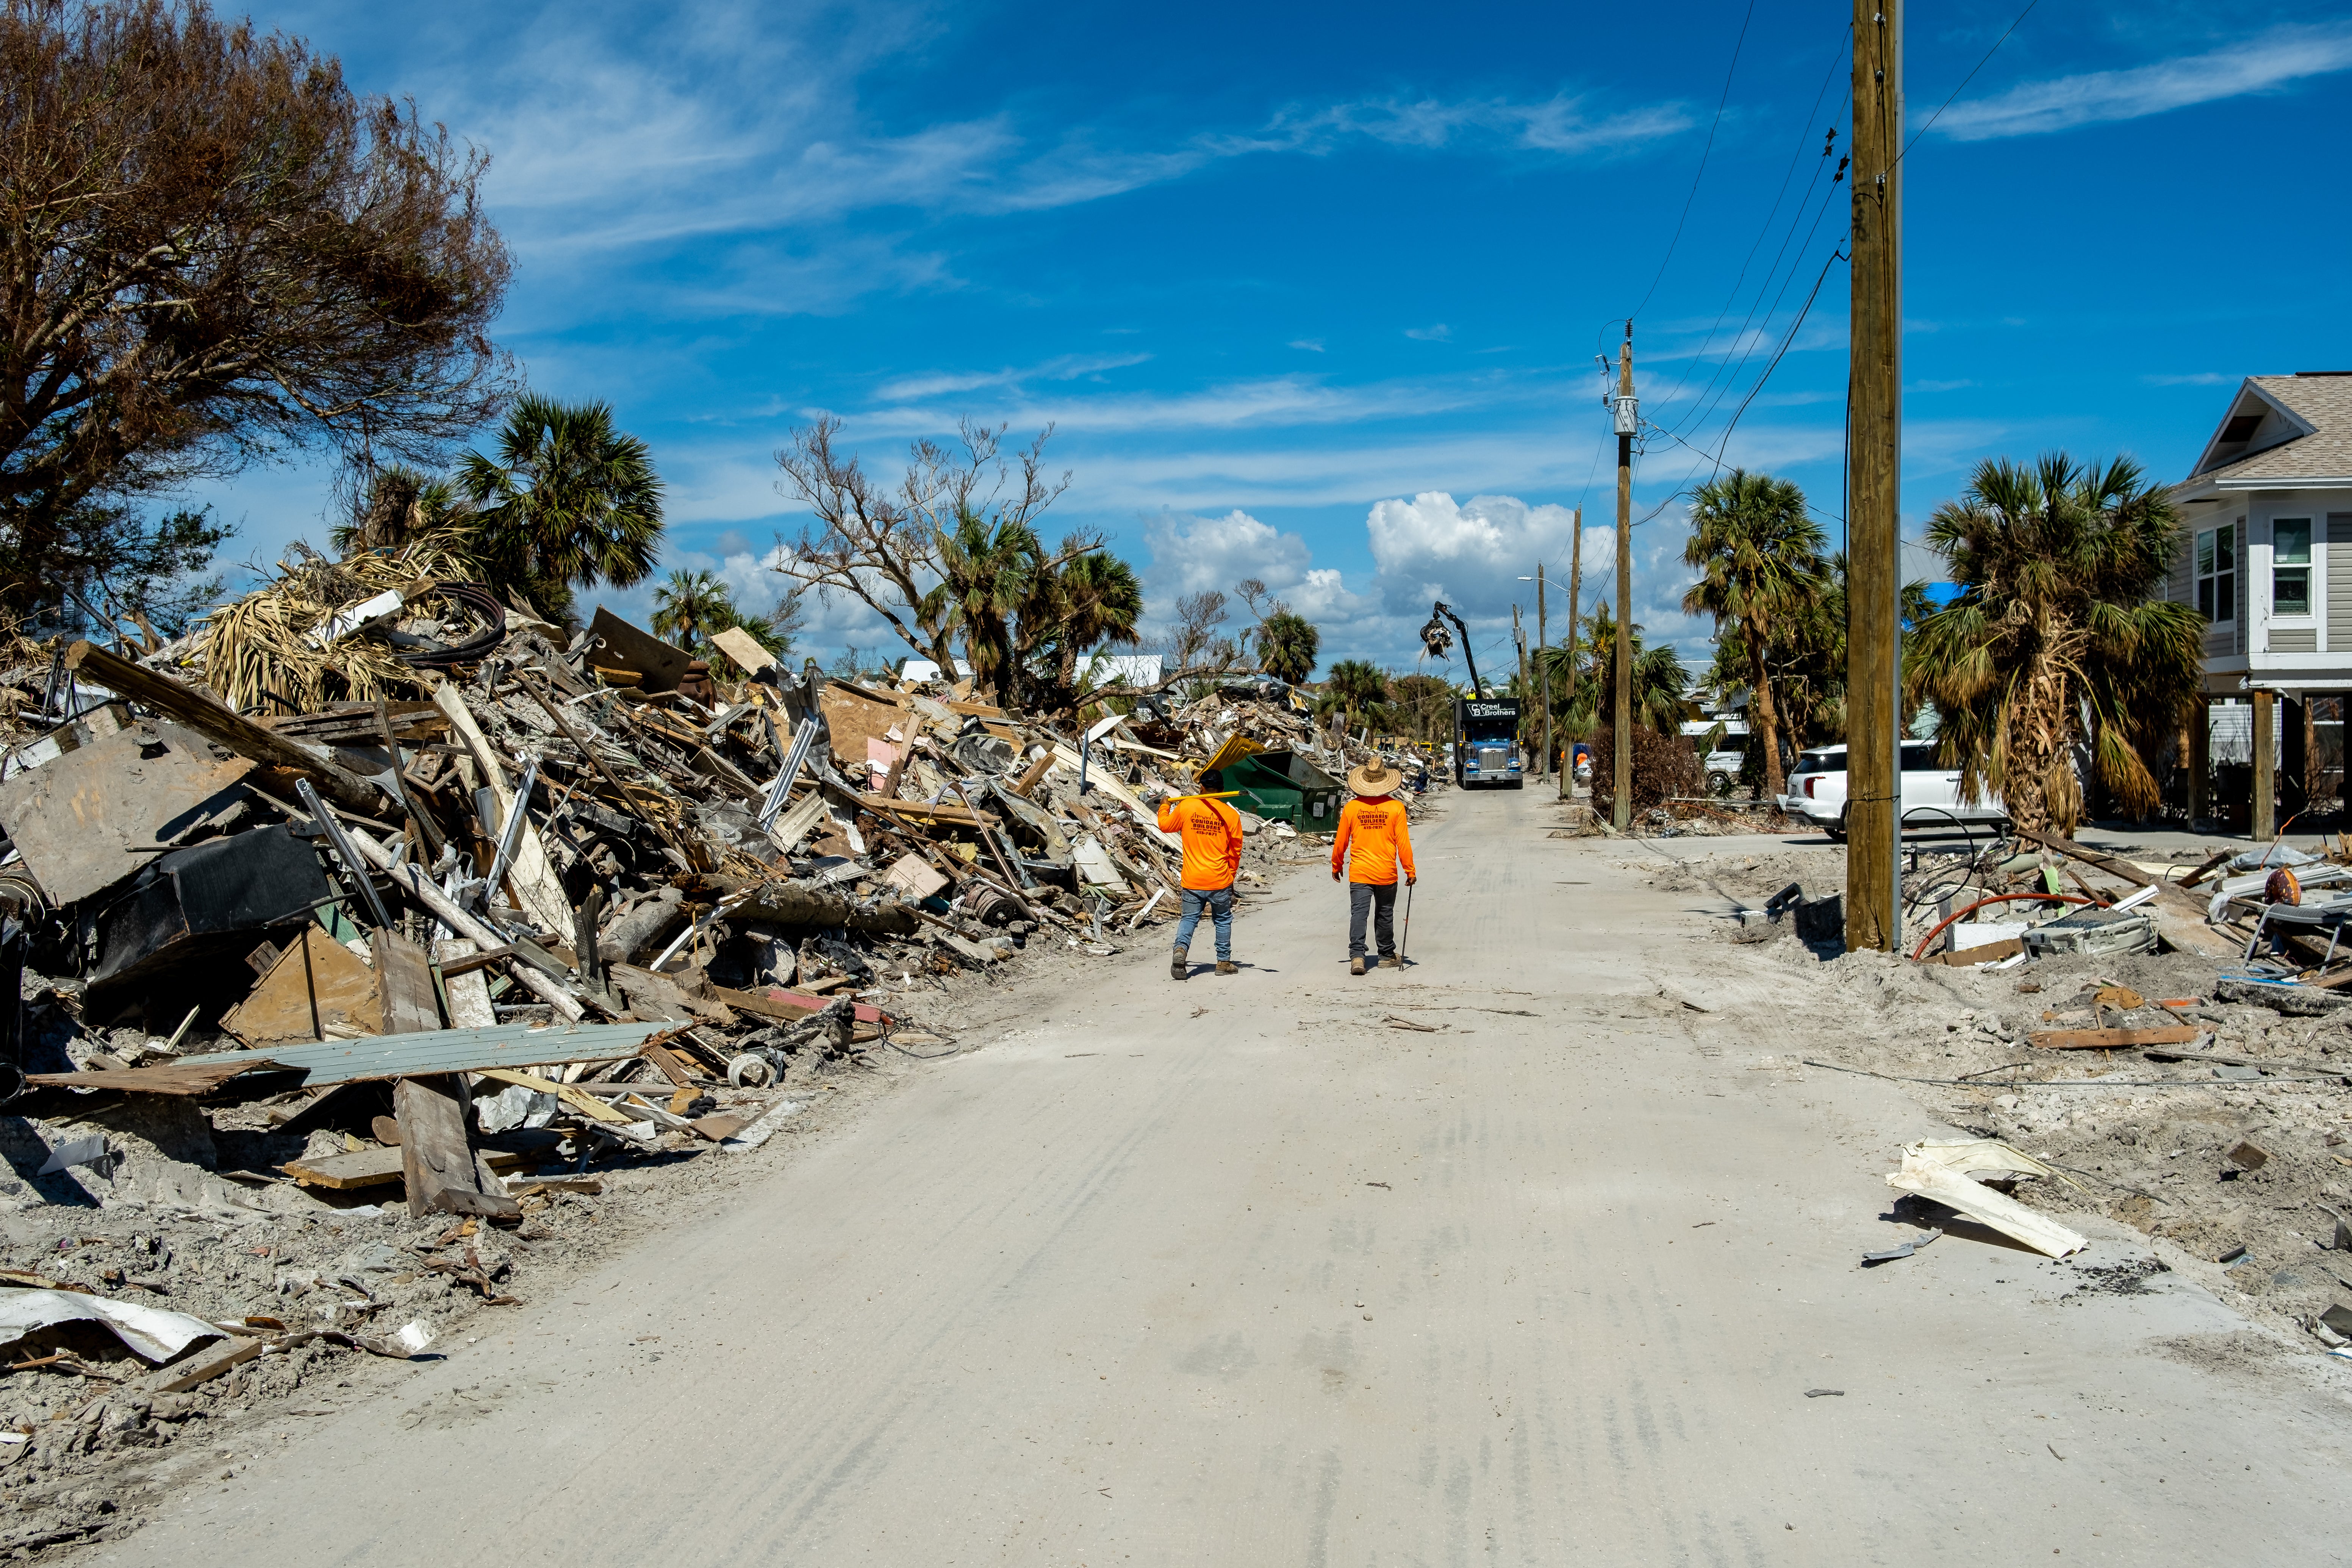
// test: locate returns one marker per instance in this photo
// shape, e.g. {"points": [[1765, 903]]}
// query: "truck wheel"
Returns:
{"points": [[1518, 783], [1718, 783], [1837, 832]]}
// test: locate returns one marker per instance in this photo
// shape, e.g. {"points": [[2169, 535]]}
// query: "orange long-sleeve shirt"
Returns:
{"points": [[1213, 840], [1372, 841]]}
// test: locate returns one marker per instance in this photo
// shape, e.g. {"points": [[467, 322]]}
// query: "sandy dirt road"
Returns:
{"points": [[1235, 1272]]}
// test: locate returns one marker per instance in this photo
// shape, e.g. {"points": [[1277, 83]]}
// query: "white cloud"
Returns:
{"points": [[1439, 333], [1469, 552], [2195, 378], [1312, 346], [1068, 367], [2276, 57]]}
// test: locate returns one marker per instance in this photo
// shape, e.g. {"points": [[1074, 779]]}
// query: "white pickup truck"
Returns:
{"points": [[1931, 793]]}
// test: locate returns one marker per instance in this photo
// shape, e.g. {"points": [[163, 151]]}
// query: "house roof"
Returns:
{"points": [[2283, 427]]}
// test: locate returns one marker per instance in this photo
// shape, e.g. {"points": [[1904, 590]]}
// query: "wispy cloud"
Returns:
{"points": [[1312, 346], [1440, 333], [2193, 378], [1068, 367], [2275, 58]]}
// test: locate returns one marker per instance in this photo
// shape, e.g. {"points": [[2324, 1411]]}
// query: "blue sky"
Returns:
{"points": [[1312, 292]]}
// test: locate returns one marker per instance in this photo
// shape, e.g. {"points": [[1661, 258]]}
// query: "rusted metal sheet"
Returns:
{"points": [[99, 813], [614, 643], [185, 1079]]}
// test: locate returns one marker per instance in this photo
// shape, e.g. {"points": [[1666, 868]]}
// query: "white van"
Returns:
{"points": [[1931, 793]]}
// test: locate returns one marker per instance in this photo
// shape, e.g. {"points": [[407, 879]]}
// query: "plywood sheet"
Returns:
{"points": [[318, 989], [94, 815]]}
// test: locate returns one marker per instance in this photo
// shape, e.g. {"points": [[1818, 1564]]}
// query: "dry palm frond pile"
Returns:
{"points": [[256, 653]]}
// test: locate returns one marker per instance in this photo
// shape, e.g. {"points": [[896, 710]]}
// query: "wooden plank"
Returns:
{"points": [[586, 1104], [404, 982], [2111, 1039], [743, 648], [437, 1152], [210, 1363], [466, 988], [670, 1065], [1969, 957], [216, 721], [2111, 865], [537, 891], [375, 1167], [786, 1006]]}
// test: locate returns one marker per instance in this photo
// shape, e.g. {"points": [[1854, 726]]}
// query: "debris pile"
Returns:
{"points": [[384, 921]]}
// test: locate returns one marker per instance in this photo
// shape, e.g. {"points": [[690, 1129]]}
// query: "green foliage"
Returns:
{"points": [[568, 502], [2060, 566], [1286, 645], [1759, 560], [1660, 681], [1358, 689], [116, 565], [1422, 706]]}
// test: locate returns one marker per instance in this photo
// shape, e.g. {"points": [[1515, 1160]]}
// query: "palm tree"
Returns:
{"points": [[397, 506], [1286, 645], [1659, 679], [1354, 688], [986, 572], [568, 502], [2057, 626], [693, 605], [1094, 602], [1759, 559]]}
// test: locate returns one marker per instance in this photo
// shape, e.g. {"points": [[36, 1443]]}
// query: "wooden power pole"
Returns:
{"points": [[1873, 897], [1575, 582], [1627, 419], [1543, 676]]}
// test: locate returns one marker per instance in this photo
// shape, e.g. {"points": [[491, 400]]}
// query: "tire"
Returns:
{"points": [[1718, 783], [1836, 834]]}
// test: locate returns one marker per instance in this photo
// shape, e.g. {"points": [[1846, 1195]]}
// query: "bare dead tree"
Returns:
{"points": [[888, 546], [212, 249]]}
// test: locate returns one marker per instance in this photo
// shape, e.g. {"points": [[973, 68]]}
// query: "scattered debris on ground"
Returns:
{"points": [[367, 954]]}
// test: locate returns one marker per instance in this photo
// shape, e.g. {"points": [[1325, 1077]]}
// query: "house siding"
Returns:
{"points": [[2294, 639], [2340, 582], [2246, 590]]}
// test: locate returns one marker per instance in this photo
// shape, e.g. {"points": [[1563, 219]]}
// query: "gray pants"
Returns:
{"points": [[1378, 900]]}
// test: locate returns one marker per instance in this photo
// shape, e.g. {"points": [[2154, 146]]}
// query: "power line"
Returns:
{"points": [[1704, 154], [1764, 229], [1980, 65]]}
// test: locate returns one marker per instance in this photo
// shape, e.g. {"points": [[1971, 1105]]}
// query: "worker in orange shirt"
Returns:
{"points": [[1212, 854], [1373, 844]]}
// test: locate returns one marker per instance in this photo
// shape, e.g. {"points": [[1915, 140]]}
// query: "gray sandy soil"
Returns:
{"points": [[1240, 1271]]}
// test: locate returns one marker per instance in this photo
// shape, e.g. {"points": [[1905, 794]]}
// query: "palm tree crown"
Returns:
{"points": [[568, 502], [1759, 560], [2057, 626], [1286, 645]]}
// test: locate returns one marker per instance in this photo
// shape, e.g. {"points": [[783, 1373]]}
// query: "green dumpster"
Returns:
{"points": [[1281, 786]]}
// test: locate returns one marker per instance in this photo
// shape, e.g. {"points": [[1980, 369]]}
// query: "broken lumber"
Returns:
{"points": [[216, 721], [2110, 1039], [437, 1150]]}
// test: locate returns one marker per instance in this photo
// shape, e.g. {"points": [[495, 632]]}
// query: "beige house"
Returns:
{"points": [[2266, 557]]}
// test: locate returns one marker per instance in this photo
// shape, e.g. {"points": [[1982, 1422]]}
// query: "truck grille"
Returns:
{"points": [[1493, 759]]}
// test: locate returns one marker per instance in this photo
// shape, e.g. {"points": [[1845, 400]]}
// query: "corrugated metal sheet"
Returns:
{"points": [[449, 1050]]}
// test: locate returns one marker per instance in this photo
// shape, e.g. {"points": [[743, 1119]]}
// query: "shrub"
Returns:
{"points": [[1664, 766]]}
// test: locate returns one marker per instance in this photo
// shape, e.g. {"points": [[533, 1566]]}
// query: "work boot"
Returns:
{"points": [[1355, 966], [1227, 966], [1391, 961], [1179, 968]]}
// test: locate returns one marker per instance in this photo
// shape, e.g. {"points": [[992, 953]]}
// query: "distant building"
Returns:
{"points": [[2266, 558]]}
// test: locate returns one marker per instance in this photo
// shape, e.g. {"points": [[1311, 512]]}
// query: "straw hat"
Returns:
{"points": [[1374, 778]]}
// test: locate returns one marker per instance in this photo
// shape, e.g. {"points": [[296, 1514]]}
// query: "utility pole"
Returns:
{"points": [[1543, 676], [1575, 582], [1628, 421], [1519, 640], [1873, 900]]}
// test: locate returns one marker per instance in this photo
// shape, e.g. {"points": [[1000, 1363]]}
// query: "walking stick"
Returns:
{"points": [[1407, 937]]}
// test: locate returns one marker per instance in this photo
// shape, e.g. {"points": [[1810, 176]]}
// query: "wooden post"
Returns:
{"points": [[1622, 810], [436, 1150], [215, 720], [1520, 641], [1873, 915], [1575, 585], [1543, 676], [2200, 760], [2265, 805]]}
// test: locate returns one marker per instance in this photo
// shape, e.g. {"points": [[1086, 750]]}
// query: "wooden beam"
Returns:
{"points": [[215, 720], [437, 1150], [2111, 1039]]}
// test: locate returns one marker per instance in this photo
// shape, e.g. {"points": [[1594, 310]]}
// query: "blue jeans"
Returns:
{"points": [[1219, 902]]}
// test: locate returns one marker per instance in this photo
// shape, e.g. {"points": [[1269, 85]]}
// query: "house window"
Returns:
{"points": [[2290, 566], [2217, 573]]}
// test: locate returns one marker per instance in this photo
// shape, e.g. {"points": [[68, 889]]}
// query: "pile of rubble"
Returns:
{"points": [[351, 1009], [2158, 1033]]}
